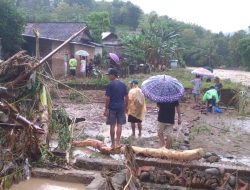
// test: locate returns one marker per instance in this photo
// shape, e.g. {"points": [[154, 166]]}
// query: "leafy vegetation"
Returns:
{"points": [[11, 26], [60, 124], [76, 97], [242, 99], [147, 38], [98, 81], [184, 76]]}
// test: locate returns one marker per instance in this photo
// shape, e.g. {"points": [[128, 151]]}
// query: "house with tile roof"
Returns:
{"points": [[52, 34], [111, 43]]}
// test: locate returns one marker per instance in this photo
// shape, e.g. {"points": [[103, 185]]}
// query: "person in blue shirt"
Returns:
{"points": [[116, 101]]}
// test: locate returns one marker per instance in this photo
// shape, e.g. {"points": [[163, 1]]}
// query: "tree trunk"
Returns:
{"points": [[163, 153]]}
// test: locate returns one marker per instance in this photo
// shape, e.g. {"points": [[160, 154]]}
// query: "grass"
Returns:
{"points": [[243, 100], [76, 97], [201, 129], [184, 76], [98, 81]]}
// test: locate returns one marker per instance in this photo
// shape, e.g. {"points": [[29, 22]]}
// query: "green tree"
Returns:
{"points": [[131, 15], [90, 4], [133, 48], [11, 26], [66, 13], [233, 47], [98, 22], [160, 41], [244, 51], [35, 10]]}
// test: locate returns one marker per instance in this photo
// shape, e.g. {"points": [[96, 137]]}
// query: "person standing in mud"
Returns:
{"points": [[196, 89], [218, 86], [166, 121], [116, 102], [72, 66], [136, 107]]}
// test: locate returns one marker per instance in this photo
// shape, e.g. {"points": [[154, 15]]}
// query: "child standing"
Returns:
{"points": [[196, 88], [218, 86]]}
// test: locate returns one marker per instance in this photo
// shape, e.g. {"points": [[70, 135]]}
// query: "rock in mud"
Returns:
{"points": [[161, 178], [211, 157], [186, 140], [222, 171], [186, 133], [184, 147], [208, 154], [212, 171], [232, 181], [145, 176]]}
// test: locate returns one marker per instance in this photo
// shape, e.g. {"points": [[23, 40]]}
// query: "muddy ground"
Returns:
{"points": [[225, 134]]}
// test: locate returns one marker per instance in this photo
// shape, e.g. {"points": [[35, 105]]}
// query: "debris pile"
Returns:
{"points": [[24, 115]]}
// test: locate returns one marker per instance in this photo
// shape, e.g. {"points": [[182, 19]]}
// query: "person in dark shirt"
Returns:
{"points": [[218, 86], [166, 120], [115, 106]]}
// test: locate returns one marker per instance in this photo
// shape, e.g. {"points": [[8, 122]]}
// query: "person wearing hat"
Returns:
{"points": [[116, 101], [136, 107]]}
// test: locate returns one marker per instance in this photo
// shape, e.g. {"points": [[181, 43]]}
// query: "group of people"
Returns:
{"points": [[86, 68], [211, 96], [119, 102]]}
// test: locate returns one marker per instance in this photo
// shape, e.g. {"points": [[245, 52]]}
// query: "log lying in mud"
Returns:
{"points": [[163, 153]]}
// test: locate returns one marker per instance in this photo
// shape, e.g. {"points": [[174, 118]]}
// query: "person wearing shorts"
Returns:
{"points": [[166, 120], [196, 88], [116, 101]]}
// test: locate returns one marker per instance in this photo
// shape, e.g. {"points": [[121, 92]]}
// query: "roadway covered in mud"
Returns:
{"points": [[225, 134]]}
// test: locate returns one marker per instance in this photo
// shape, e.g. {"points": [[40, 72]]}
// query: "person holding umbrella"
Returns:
{"points": [[116, 102], [136, 107], [166, 91]]}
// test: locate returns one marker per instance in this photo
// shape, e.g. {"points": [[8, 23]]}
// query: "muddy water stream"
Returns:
{"points": [[46, 184], [234, 75]]}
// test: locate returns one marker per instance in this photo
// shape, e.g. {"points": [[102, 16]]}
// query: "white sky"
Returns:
{"points": [[214, 15]]}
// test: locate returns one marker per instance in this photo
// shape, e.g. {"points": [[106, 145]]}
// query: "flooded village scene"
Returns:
{"points": [[124, 95]]}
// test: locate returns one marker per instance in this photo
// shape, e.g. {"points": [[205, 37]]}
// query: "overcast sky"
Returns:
{"points": [[215, 15]]}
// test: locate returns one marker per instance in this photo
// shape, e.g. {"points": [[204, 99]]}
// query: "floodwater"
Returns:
{"points": [[233, 75], [46, 184]]}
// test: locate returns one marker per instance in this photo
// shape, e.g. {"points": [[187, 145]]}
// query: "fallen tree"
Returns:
{"points": [[187, 155]]}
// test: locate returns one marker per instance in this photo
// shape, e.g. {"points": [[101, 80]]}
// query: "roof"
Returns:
{"points": [[108, 34], [105, 34], [60, 31]]}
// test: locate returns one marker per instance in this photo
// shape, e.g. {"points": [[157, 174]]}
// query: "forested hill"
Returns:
{"points": [[193, 44]]}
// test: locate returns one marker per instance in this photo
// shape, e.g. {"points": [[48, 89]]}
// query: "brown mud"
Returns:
{"points": [[225, 134]]}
